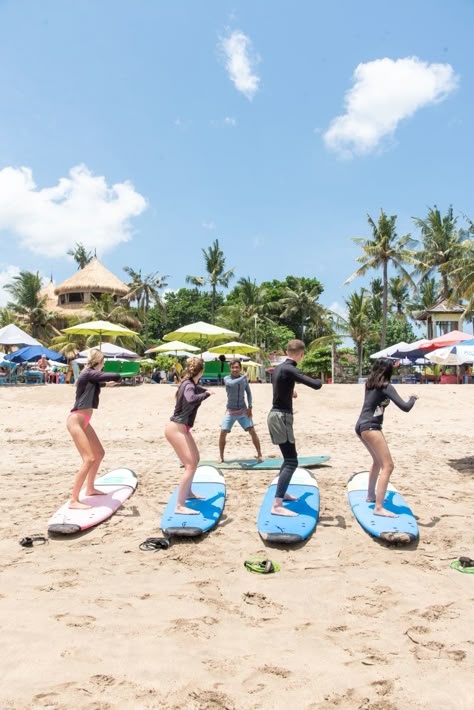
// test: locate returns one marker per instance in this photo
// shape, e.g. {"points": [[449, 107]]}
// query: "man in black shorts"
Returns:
{"points": [[280, 419]]}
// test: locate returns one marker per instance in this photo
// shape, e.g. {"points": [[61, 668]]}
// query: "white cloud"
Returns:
{"points": [[337, 308], [80, 208], [6, 276], [240, 63], [385, 92], [230, 121]]}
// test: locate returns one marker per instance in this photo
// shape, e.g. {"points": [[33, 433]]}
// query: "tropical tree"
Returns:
{"points": [[399, 295], [246, 309], [29, 304], [8, 317], [443, 247], [145, 290], [462, 273], [357, 324], [80, 255], [217, 275], [383, 249], [105, 308], [301, 304]]}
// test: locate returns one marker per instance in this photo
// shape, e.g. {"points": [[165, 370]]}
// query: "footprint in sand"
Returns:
{"points": [[207, 700], [260, 600], [426, 650], [76, 621], [275, 670]]}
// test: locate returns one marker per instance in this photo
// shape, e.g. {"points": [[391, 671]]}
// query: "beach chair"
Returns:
{"points": [[10, 378]]}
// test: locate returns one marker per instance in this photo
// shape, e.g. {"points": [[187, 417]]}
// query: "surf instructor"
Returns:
{"points": [[237, 410], [189, 397], [280, 419]]}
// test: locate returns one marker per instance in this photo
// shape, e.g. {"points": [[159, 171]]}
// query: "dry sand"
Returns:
{"points": [[92, 622]]}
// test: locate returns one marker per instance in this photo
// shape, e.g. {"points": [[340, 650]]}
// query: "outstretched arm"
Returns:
{"points": [[315, 384], [392, 394]]}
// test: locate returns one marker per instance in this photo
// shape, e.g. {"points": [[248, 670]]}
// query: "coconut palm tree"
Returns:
{"points": [[145, 290], [80, 255], [214, 260], [29, 304], [357, 324], [302, 304], [105, 308], [8, 317], [399, 294], [248, 309], [443, 245], [383, 249]]}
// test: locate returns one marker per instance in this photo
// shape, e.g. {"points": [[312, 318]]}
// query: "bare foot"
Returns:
{"points": [[193, 495], [221, 461], [385, 513], [95, 492], [370, 499], [77, 505], [259, 458], [182, 510], [288, 497], [280, 510]]}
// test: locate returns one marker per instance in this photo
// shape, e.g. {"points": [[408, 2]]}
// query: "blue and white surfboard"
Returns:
{"points": [[208, 482]]}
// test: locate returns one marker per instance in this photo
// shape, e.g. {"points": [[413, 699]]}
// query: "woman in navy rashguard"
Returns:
{"points": [[378, 394], [86, 440], [178, 430]]}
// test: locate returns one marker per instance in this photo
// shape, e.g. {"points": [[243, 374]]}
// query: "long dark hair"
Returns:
{"points": [[380, 375]]}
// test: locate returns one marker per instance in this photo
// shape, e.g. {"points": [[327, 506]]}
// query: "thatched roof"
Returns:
{"points": [[51, 303], [93, 277]]}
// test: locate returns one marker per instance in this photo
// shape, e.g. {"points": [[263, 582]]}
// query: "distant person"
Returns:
{"points": [[220, 374], [237, 410], [280, 419], [42, 365], [189, 397], [156, 375], [86, 440], [378, 393]]}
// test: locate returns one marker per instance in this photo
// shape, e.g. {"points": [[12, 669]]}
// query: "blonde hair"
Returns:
{"points": [[295, 346], [194, 365], [95, 358]]}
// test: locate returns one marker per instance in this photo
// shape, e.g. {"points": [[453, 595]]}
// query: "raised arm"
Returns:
{"points": [[393, 395], [190, 395], [303, 379], [102, 377]]}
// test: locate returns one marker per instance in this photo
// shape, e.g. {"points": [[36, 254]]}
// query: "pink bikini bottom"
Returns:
{"points": [[86, 417]]}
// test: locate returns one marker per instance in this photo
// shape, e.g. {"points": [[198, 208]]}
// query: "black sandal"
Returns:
{"points": [[29, 541], [155, 543]]}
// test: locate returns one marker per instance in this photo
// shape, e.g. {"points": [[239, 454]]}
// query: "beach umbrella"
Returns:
{"points": [[234, 347], [452, 338], [387, 352], [208, 356], [454, 355], [100, 328], [200, 331], [174, 345], [112, 350], [30, 353], [412, 350], [13, 335]]}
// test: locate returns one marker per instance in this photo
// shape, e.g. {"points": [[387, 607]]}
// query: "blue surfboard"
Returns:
{"points": [[401, 529], [208, 482], [267, 464], [286, 529]]}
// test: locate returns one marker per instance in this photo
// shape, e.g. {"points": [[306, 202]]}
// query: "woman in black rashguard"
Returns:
{"points": [[86, 440], [378, 394], [178, 430]]}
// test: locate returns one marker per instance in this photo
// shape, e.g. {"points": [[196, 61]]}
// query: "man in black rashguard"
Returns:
{"points": [[280, 419]]}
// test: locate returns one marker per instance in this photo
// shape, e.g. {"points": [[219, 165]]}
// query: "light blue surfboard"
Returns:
{"points": [[401, 529], [285, 529], [208, 482]]}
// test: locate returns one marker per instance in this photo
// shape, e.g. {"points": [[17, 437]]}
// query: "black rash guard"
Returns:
{"points": [[88, 387], [371, 416], [189, 398], [283, 381]]}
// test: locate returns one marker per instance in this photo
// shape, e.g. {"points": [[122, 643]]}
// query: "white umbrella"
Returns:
{"points": [[175, 345], [112, 350], [234, 347], [200, 330], [208, 356], [13, 335], [455, 355]]}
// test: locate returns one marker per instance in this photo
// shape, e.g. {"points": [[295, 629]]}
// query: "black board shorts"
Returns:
{"points": [[280, 426]]}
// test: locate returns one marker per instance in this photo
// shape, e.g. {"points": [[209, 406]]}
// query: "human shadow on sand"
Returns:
{"points": [[464, 465]]}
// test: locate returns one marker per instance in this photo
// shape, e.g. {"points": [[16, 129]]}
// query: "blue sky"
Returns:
{"points": [[147, 129]]}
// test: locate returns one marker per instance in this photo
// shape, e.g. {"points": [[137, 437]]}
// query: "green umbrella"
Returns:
{"points": [[100, 328], [234, 347]]}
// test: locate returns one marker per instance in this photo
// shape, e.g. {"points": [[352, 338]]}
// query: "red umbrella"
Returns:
{"points": [[452, 338]]}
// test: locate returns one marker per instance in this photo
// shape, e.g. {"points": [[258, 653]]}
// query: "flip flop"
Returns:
{"points": [[463, 564], [155, 543], [30, 540], [261, 566]]}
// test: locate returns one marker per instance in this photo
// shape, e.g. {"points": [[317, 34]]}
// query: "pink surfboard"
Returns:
{"points": [[117, 485]]}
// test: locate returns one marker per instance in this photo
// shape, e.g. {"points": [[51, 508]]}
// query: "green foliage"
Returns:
{"points": [[317, 361], [81, 256], [187, 305]]}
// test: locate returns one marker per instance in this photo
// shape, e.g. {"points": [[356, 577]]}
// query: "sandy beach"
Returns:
{"points": [[92, 622]]}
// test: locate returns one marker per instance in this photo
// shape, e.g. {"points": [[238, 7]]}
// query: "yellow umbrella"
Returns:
{"points": [[234, 347], [200, 330], [175, 345], [100, 328]]}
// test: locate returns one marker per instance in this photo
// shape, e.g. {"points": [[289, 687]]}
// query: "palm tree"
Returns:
{"points": [[248, 308], [383, 249], [29, 304], [399, 295], [146, 290], [80, 255], [8, 317], [442, 246], [301, 303], [358, 324], [214, 260]]}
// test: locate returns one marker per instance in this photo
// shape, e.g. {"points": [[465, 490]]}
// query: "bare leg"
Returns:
{"points": [[256, 442], [187, 452], [99, 453], [222, 442], [75, 426], [374, 472], [382, 457]]}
